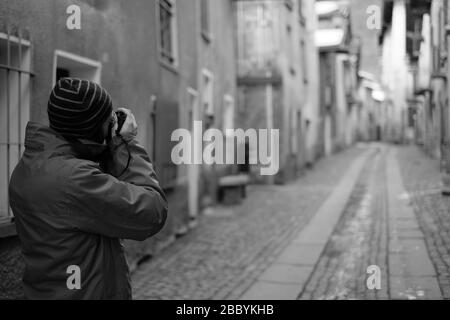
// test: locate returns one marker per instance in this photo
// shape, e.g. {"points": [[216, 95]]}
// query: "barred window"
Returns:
{"points": [[15, 90], [167, 30]]}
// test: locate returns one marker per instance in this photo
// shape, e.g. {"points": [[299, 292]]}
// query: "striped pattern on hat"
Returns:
{"points": [[77, 108]]}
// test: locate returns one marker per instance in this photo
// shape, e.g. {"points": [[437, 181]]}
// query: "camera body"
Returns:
{"points": [[121, 116]]}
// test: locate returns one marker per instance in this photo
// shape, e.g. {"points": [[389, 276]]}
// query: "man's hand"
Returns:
{"points": [[129, 128]]}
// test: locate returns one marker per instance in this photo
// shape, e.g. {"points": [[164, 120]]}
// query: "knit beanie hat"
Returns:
{"points": [[78, 108]]}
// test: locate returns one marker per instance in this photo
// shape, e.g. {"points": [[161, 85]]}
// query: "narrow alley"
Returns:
{"points": [[234, 150]]}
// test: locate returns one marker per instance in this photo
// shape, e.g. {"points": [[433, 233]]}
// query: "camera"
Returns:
{"points": [[121, 116]]}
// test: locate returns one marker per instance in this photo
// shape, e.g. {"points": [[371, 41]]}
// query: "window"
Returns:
{"points": [[62, 73], [15, 91], [205, 19], [167, 31], [208, 93], [304, 62], [71, 65]]}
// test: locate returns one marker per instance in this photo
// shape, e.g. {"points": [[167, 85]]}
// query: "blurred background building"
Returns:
{"points": [[277, 77], [416, 79], [339, 63]]}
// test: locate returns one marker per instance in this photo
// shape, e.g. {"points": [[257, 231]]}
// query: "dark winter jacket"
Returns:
{"points": [[72, 209]]}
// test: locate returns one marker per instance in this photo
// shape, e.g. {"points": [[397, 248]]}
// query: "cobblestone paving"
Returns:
{"points": [[11, 268], [360, 239], [422, 179], [224, 255]]}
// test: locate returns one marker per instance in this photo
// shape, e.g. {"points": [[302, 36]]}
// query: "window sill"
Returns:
{"points": [[7, 229], [207, 36], [168, 66]]}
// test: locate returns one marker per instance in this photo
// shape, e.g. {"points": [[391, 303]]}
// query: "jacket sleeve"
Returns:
{"points": [[129, 206]]}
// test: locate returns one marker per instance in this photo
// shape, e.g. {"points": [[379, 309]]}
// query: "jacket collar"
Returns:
{"points": [[39, 137]]}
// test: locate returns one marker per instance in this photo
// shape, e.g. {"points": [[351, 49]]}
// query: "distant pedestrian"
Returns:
{"points": [[78, 189]]}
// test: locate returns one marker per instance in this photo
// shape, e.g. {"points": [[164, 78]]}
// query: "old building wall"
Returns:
{"points": [[113, 35], [274, 51]]}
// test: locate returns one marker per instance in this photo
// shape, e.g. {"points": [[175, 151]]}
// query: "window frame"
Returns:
{"points": [[205, 20], [25, 67], [173, 35], [77, 59]]}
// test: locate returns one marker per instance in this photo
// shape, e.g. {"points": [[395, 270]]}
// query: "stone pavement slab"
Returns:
{"points": [[411, 272], [285, 273], [299, 254], [415, 288], [265, 290]]}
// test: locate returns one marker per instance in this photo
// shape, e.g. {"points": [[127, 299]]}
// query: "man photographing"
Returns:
{"points": [[81, 186]]}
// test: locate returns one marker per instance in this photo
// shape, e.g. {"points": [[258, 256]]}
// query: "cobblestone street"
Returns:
{"points": [[314, 239], [422, 180], [226, 252], [359, 240]]}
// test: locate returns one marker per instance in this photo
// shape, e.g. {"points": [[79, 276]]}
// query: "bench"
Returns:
{"points": [[233, 188]]}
